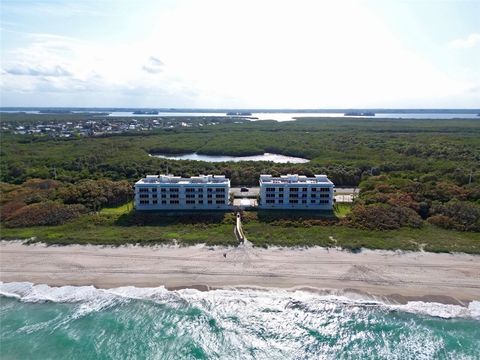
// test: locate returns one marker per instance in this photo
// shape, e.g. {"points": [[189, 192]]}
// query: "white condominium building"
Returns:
{"points": [[296, 192], [168, 192]]}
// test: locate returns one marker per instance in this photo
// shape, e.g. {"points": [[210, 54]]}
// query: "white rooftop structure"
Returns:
{"points": [[171, 179], [295, 179]]}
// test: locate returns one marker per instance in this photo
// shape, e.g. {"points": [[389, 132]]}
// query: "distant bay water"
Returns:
{"points": [[280, 116], [288, 116], [42, 322]]}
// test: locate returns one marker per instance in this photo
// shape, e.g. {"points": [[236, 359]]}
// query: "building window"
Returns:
{"points": [[324, 195], [173, 196], [220, 201], [313, 195], [304, 189], [280, 195], [143, 190], [163, 190], [314, 189], [209, 190], [143, 196], [174, 202], [293, 201], [189, 196], [200, 202], [304, 195], [280, 189], [164, 202], [209, 196], [270, 201], [154, 189], [189, 190], [280, 201], [292, 196], [164, 196], [209, 201], [154, 202], [323, 201], [220, 190], [304, 201], [144, 202], [313, 201], [154, 196], [294, 189], [324, 189], [174, 190], [220, 196], [270, 189], [200, 190], [270, 195], [190, 201]]}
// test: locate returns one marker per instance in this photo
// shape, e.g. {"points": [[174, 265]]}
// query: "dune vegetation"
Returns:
{"points": [[419, 181]]}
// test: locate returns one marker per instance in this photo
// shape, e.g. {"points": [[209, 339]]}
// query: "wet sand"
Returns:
{"points": [[393, 276]]}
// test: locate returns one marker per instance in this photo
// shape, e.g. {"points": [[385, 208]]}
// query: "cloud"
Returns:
{"points": [[154, 65], [56, 71], [142, 65], [474, 89], [470, 41]]}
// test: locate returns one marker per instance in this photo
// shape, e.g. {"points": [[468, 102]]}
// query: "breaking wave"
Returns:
{"points": [[40, 321], [28, 292]]}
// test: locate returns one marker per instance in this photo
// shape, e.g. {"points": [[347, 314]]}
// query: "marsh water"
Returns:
{"points": [[277, 158]]}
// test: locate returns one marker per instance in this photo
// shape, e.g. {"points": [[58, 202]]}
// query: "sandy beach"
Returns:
{"points": [[397, 276]]}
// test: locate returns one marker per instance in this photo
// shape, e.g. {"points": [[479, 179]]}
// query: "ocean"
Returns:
{"points": [[42, 322]]}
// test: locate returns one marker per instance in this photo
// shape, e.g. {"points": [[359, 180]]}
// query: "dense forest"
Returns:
{"points": [[409, 170]]}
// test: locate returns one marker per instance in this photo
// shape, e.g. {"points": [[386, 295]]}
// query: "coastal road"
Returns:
{"points": [[396, 275]]}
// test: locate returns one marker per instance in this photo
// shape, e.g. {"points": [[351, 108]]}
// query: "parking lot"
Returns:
{"points": [[252, 192]]}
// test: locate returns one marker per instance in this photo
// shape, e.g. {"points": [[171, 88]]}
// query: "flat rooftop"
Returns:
{"points": [[295, 179], [171, 179]]}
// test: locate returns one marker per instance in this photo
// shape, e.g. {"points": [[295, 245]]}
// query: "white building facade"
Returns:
{"points": [[296, 192], [168, 192]]}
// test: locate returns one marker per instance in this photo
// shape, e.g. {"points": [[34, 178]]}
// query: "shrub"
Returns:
{"points": [[383, 217], [46, 213], [10, 208], [458, 215], [445, 191], [441, 221], [95, 194], [41, 184]]}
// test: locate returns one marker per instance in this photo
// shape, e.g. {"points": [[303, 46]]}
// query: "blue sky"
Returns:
{"points": [[220, 53]]}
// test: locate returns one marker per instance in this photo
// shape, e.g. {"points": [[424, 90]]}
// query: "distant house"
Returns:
{"points": [[296, 192], [168, 192]]}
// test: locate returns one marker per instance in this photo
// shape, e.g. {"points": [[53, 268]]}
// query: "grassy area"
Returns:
{"points": [[120, 225], [342, 209], [119, 210], [428, 238]]}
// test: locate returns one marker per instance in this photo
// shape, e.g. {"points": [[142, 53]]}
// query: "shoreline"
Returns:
{"points": [[386, 276]]}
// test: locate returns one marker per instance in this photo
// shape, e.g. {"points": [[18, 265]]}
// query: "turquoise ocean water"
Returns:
{"points": [[42, 322]]}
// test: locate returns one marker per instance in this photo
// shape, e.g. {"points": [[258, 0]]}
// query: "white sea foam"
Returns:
{"points": [[445, 311], [93, 299]]}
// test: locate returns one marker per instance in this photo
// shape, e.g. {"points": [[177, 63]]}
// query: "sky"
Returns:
{"points": [[240, 54]]}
